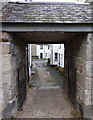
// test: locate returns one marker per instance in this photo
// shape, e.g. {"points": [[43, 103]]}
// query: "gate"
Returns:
{"points": [[21, 86], [72, 81]]}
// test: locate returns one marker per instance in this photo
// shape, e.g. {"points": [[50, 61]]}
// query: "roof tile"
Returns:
{"points": [[49, 13]]}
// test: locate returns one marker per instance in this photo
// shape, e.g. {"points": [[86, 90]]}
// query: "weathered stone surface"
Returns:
{"points": [[9, 63], [82, 61], [9, 78], [11, 109], [6, 37], [89, 68], [87, 111], [88, 83], [13, 69], [87, 94], [5, 48], [9, 94], [80, 79]]}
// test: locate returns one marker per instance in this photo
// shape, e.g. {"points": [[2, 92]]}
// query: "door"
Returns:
{"points": [[41, 55], [72, 81], [21, 86], [59, 59]]}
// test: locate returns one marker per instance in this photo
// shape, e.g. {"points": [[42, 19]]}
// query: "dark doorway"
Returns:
{"points": [[59, 59], [41, 55]]}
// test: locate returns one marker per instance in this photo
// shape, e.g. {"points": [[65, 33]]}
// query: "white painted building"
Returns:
{"points": [[57, 55], [30, 59], [61, 55], [53, 51], [43, 51]]}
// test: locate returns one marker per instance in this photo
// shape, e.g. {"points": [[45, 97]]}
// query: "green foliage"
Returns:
{"points": [[30, 85], [35, 57], [48, 61]]}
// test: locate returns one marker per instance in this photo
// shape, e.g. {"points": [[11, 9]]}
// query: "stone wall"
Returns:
{"points": [[13, 74], [79, 72]]}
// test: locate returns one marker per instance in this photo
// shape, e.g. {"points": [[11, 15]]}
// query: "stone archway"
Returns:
{"points": [[22, 25], [78, 72]]}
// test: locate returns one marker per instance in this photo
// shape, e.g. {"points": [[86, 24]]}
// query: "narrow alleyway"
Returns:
{"points": [[45, 76], [47, 98]]}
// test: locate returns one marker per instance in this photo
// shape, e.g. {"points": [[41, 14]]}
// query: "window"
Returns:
{"points": [[41, 55], [41, 46], [56, 56], [48, 47], [46, 54], [60, 46]]}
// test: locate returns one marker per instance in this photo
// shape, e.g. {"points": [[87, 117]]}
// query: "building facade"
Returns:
{"points": [[57, 55], [43, 51], [33, 49]]}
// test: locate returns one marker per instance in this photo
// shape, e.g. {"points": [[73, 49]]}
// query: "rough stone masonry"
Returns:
{"points": [[78, 54], [13, 63], [79, 73]]}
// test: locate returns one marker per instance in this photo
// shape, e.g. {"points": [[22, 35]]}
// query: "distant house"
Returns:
{"points": [[33, 49], [43, 51], [57, 55]]}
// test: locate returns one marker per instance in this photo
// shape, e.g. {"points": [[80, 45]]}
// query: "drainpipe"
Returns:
{"points": [[27, 66]]}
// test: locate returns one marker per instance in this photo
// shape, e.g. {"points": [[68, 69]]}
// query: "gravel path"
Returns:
{"points": [[46, 99]]}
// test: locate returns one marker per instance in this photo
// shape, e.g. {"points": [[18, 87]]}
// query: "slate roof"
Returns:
{"points": [[47, 13]]}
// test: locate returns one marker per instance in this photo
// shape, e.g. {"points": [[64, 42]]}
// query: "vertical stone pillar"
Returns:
{"points": [[87, 95], [14, 75], [79, 53], [9, 77]]}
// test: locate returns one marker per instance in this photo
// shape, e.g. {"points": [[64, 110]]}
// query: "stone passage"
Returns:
{"points": [[79, 72], [13, 74]]}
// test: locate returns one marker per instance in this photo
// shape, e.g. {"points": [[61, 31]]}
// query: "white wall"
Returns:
{"points": [[55, 48], [61, 59], [40, 51], [29, 59], [45, 51]]}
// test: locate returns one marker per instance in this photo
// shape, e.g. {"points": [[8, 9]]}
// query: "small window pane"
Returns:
{"points": [[41, 46], [56, 56]]}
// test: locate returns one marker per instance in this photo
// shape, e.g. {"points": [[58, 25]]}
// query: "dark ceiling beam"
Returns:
{"points": [[47, 27]]}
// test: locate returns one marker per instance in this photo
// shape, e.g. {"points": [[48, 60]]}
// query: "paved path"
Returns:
{"points": [[46, 99], [46, 76]]}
